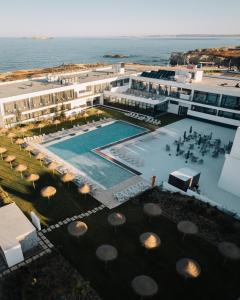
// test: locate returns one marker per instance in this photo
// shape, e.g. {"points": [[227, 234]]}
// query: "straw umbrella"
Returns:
{"points": [[84, 190], [150, 240], [11, 135], [3, 130], [116, 219], [52, 166], [40, 126], [56, 122], [29, 149], [229, 250], [22, 130], [187, 227], [19, 142], [21, 168], [99, 112], [188, 268], [40, 156], [152, 210], [67, 177], [77, 228], [144, 286], [2, 151], [106, 253], [85, 115], [10, 159], [48, 192], [32, 178], [71, 119]]}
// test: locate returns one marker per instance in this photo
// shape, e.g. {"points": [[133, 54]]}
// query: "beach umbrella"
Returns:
{"points": [[19, 142], [3, 130], [152, 210], [56, 122], [85, 115], [10, 159], [48, 191], [77, 228], [188, 268], [21, 168], [71, 119], [187, 227], [190, 130], [178, 147], [150, 240], [40, 156], [229, 250], [84, 190], [32, 178], [106, 253], [99, 112], [29, 149], [144, 286], [67, 177], [52, 166], [22, 130], [185, 135], [116, 219], [40, 126], [11, 135], [2, 151]]}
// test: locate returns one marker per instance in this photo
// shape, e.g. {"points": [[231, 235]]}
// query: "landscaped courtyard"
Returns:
{"points": [[218, 278]]}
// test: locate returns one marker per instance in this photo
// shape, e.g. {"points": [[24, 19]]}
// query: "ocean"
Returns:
{"points": [[27, 53]]}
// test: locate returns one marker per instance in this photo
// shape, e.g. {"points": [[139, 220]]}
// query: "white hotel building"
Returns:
{"points": [[185, 92]]}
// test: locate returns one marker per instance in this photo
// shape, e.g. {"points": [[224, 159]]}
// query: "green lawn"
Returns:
{"points": [[217, 280], [67, 201]]}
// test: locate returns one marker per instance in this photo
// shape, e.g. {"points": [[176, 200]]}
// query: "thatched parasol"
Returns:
{"points": [[144, 286], [19, 142], [116, 219], [187, 227], [29, 149], [150, 240], [84, 190], [77, 228], [3, 130], [21, 168], [188, 268], [152, 209], [32, 178], [67, 177], [106, 253], [2, 151], [71, 119], [40, 156], [40, 126], [229, 250], [48, 192], [23, 130], [56, 122], [11, 135], [52, 166], [99, 112], [10, 159], [85, 115]]}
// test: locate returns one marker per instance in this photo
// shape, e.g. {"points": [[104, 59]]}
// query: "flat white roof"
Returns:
{"points": [[185, 173], [13, 226]]}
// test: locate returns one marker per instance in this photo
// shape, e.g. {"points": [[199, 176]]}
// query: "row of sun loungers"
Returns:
{"points": [[146, 119], [132, 191], [128, 157]]}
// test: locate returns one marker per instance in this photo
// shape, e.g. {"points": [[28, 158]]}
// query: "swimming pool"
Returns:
{"points": [[77, 151]]}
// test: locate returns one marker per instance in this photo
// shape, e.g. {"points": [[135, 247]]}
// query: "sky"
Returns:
{"points": [[118, 17]]}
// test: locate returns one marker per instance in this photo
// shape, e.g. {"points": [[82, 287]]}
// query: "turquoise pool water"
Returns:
{"points": [[77, 152]]}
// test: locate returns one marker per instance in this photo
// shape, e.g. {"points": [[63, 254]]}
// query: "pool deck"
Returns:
{"points": [[157, 161]]}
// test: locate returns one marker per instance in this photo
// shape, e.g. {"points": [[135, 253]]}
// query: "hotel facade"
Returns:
{"points": [[183, 92]]}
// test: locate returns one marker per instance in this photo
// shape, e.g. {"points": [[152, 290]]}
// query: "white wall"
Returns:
{"points": [[13, 255], [172, 108]]}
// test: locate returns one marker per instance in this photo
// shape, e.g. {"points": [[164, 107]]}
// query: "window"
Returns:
{"points": [[206, 98], [174, 102], [205, 110], [230, 102]]}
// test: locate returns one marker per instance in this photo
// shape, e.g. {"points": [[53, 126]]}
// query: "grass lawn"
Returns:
{"points": [[217, 280], [67, 201]]}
